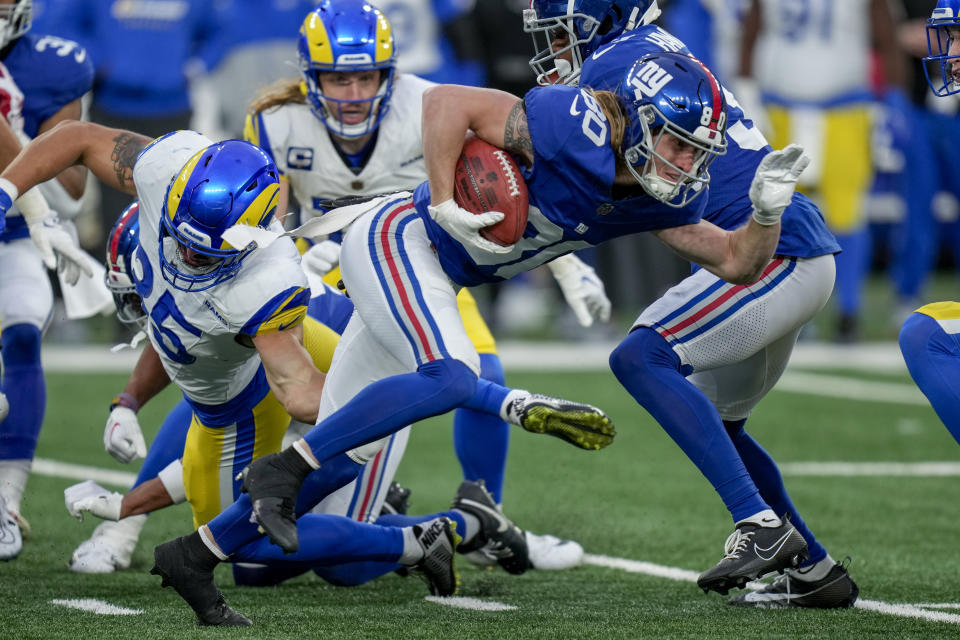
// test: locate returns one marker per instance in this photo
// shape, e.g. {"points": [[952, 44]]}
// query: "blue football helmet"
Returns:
{"points": [[15, 20], [672, 93], [578, 28], [122, 243], [227, 183], [346, 36], [944, 20]]}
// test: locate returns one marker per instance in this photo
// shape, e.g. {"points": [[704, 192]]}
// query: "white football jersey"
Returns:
{"points": [[815, 51], [196, 333], [305, 154]]}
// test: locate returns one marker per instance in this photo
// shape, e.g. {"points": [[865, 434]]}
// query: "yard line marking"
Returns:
{"points": [[529, 356], [474, 604], [939, 605], [97, 606], [914, 469], [850, 388], [81, 472], [684, 575]]}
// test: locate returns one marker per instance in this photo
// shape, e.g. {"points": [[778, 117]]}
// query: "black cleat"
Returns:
{"points": [[273, 483], [836, 590], [580, 424], [752, 551], [397, 501], [174, 565], [498, 537], [438, 538]]}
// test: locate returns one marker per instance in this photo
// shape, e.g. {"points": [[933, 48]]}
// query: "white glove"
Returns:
{"points": [[465, 226], [55, 243], [122, 437], [321, 258], [90, 497], [774, 182], [582, 289]]}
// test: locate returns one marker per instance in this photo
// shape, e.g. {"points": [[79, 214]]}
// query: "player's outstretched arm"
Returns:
{"points": [[109, 153], [122, 436], [740, 256], [292, 376]]}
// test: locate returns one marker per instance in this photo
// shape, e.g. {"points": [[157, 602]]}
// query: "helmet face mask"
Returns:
{"points": [[565, 34], [346, 36], [943, 31], [15, 20], [677, 124], [122, 244], [227, 183]]}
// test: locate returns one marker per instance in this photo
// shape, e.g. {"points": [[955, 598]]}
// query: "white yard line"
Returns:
{"points": [[684, 575], [80, 472], [474, 604], [97, 606]]}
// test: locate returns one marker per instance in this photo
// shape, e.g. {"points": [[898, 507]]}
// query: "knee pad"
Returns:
{"points": [[644, 350], [452, 378], [21, 345]]}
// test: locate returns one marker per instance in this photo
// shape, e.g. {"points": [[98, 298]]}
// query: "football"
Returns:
{"points": [[488, 179]]}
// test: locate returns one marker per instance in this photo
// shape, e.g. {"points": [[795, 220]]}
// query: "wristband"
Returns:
{"points": [[125, 400]]}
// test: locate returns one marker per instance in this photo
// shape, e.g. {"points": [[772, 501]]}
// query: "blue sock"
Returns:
{"points": [[351, 574], [168, 444], [387, 405], [933, 359], [25, 389], [767, 477], [263, 575], [480, 439], [232, 528], [852, 265], [328, 540], [651, 372]]}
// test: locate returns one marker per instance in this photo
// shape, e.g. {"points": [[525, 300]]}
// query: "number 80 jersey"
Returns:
{"points": [[198, 334]]}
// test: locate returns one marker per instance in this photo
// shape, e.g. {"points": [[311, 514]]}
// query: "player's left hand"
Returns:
{"points": [[582, 289], [90, 497], [774, 182], [122, 437]]}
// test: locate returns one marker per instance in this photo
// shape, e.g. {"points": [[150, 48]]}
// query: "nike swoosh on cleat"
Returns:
{"points": [[776, 546], [501, 521]]}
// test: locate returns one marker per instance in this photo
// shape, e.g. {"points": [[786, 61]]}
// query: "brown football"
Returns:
{"points": [[488, 179]]}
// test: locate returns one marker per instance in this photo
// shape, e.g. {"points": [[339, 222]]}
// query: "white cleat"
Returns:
{"points": [[109, 549], [11, 540], [549, 552]]}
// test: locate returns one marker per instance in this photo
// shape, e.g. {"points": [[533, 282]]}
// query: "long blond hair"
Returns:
{"points": [[281, 92], [613, 110]]}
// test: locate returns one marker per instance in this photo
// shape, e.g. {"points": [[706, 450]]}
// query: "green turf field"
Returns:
{"points": [[639, 500]]}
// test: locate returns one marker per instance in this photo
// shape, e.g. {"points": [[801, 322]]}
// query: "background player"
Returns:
{"points": [[929, 336], [42, 79]]}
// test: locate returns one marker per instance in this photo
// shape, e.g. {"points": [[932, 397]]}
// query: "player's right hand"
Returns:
{"points": [[90, 497], [465, 226], [774, 182], [321, 258], [122, 437]]}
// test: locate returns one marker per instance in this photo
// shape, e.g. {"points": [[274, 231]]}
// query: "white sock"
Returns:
{"points": [[507, 411], [13, 481], [412, 551], [765, 518], [814, 572], [472, 523]]}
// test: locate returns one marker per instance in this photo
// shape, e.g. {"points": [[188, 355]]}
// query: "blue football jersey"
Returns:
{"points": [[572, 200], [803, 232], [51, 72]]}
